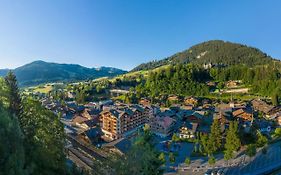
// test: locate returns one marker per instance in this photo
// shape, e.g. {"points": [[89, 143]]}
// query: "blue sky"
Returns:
{"points": [[125, 33]]}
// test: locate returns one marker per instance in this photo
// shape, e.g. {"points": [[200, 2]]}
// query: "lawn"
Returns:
{"points": [[43, 89]]}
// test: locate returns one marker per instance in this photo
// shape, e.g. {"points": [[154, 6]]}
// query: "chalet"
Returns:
{"points": [[188, 107], [119, 146], [188, 130], [173, 98], [167, 113], [184, 113], [211, 83], [233, 83], [191, 101], [162, 126], [223, 118], [195, 117], [261, 106], [88, 124], [92, 136], [223, 107], [86, 114], [79, 121], [207, 106], [244, 114], [94, 113], [274, 112], [145, 102]]}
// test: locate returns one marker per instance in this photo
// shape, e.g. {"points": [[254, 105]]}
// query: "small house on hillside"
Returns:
{"points": [[262, 106], [188, 130], [244, 114], [191, 101], [145, 102]]}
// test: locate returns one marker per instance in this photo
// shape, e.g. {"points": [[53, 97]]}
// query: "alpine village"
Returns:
{"points": [[211, 109]]}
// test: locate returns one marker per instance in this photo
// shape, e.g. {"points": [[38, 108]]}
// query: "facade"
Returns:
{"points": [[162, 126], [188, 130], [119, 121]]}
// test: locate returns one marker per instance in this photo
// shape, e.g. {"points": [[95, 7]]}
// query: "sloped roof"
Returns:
{"points": [[191, 126], [79, 119], [93, 133], [123, 144], [92, 122]]}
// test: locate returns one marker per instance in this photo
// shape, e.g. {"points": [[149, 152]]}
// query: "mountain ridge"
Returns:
{"points": [[215, 52], [38, 72]]}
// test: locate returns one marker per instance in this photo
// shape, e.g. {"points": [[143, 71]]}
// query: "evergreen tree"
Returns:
{"points": [[14, 98], [251, 150], [44, 140], [187, 161], [215, 138], [162, 158], [211, 160], [142, 158], [12, 156], [261, 140], [232, 140], [175, 138]]}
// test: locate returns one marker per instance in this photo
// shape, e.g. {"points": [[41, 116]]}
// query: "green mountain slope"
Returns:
{"points": [[42, 72], [215, 52]]}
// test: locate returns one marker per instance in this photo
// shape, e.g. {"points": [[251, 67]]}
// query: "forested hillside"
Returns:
{"points": [[32, 138], [216, 52], [191, 79], [39, 72]]}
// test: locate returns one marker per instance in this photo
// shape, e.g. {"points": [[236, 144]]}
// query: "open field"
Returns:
{"points": [[43, 89]]}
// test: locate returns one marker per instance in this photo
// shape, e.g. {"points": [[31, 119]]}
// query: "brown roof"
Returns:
{"points": [[79, 119], [165, 121], [238, 112]]}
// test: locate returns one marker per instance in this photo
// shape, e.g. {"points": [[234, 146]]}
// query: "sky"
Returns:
{"points": [[125, 33]]}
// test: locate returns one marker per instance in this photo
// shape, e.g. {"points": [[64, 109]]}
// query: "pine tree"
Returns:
{"points": [[14, 99], [162, 158], [232, 140], [215, 138]]}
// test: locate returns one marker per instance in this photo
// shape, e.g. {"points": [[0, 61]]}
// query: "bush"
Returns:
{"points": [[212, 160], [187, 161], [172, 157], [251, 150]]}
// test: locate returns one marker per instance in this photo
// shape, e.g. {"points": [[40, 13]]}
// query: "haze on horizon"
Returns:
{"points": [[126, 33]]}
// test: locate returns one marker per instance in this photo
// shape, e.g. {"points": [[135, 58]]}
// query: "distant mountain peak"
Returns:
{"points": [[213, 51], [38, 72]]}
